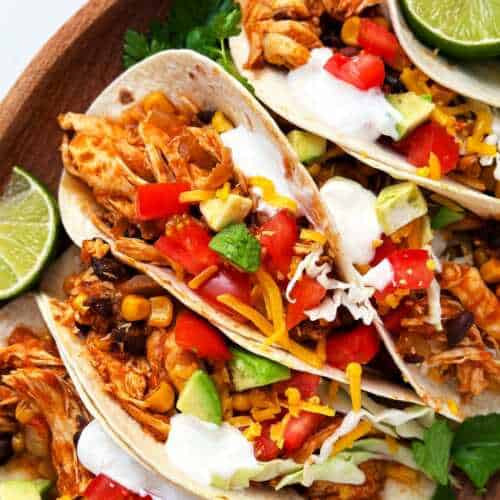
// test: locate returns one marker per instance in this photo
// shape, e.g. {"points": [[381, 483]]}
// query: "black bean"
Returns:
{"points": [[109, 269], [493, 234], [413, 358], [132, 336], [6, 450], [100, 305], [457, 327], [392, 83], [206, 116], [83, 330]]}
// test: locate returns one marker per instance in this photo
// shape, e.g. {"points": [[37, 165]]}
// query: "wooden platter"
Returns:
{"points": [[74, 66]]}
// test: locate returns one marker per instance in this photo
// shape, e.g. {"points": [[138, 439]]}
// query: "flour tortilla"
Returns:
{"points": [[183, 73], [125, 430], [271, 87]]}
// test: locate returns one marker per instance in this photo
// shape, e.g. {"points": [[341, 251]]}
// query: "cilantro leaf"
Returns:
{"points": [[444, 493], [476, 448], [239, 246], [479, 463], [433, 455], [201, 26]]}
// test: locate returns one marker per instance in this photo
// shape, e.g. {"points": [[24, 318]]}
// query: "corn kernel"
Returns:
{"points": [[434, 167], [490, 271], [452, 406], [135, 308], [350, 30], [220, 123], [241, 402], [161, 312], [423, 171], [158, 101], [162, 399], [78, 303]]}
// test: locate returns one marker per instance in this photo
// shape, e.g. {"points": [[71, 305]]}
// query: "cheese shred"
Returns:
{"points": [[270, 196], [200, 278], [353, 373], [347, 441]]}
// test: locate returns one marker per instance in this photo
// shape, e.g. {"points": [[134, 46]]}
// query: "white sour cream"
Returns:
{"points": [[353, 209], [340, 105], [99, 454], [379, 276], [203, 450], [256, 156]]}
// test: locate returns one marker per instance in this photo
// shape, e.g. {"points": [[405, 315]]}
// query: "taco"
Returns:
{"points": [[334, 68], [47, 438], [192, 183], [210, 415], [434, 271]]}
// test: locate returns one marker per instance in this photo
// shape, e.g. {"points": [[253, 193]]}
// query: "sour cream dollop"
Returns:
{"points": [[340, 105], [256, 156], [203, 450], [99, 454], [353, 209]]}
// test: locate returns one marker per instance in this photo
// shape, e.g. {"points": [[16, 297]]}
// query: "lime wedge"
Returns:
{"points": [[465, 29], [29, 223]]}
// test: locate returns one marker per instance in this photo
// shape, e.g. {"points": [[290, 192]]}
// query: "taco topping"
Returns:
{"points": [[215, 203]]}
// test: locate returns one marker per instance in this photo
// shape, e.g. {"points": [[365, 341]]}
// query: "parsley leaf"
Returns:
{"points": [[239, 246], [201, 26], [433, 455], [479, 431]]}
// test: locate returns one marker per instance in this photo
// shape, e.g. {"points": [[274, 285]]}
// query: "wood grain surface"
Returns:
{"points": [[73, 67]]}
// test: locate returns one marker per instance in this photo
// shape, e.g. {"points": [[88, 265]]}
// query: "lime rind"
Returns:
{"points": [[473, 14], [28, 232]]}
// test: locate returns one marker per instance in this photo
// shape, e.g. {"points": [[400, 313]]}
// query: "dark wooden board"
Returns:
{"points": [[67, 74]]}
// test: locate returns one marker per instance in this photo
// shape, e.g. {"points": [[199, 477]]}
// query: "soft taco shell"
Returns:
{"points": [[271, 87], [442, 396], [180, 74], [476, 79], [125, 430]]}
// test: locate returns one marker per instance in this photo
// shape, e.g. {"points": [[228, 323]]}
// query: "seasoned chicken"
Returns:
{"points": [[58, 403], [342, 9]]}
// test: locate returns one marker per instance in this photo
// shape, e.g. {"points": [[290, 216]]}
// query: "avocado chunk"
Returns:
{"points": [[309, 147], [398, 205], [221, 213], [249, 370], [200, 398], [414, 109], [238, 245], [25, 489]]}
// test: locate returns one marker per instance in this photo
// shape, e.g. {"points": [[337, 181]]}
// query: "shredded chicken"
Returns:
{"points": [[342, 9], [467, 285]]}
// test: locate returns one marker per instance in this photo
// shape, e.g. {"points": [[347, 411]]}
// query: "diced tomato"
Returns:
{"points": [[306, 383], [383, 251], [102, 487], [227, 280], [430, 137], [377, 40], [411, 270], [299, 429], [360, 345], [264, 447], [157, 201], [364, 71], [278, 236], [307, 293], [187, 244], [196, 334], [392, 321]]}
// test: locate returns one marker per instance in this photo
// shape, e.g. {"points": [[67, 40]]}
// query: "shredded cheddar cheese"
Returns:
{"points": [[304, 354], [196, 195], [321, 349], [392, 444], [347, 441], [353, 374], [311, 235], [200, 278], [434, 167], [423, 171], [247, 312], [277, 431], [415, 81], [253, 431], [431, 265], [223, 192], [240, 422], [270, 196], [296, 404], [453, 407]]}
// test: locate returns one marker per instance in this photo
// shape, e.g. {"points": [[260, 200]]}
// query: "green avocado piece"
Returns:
{"points": [[238, 245], [415, 109], [18, 489], [200, 398], [249, 370], [398, 205], [309, 147]]}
